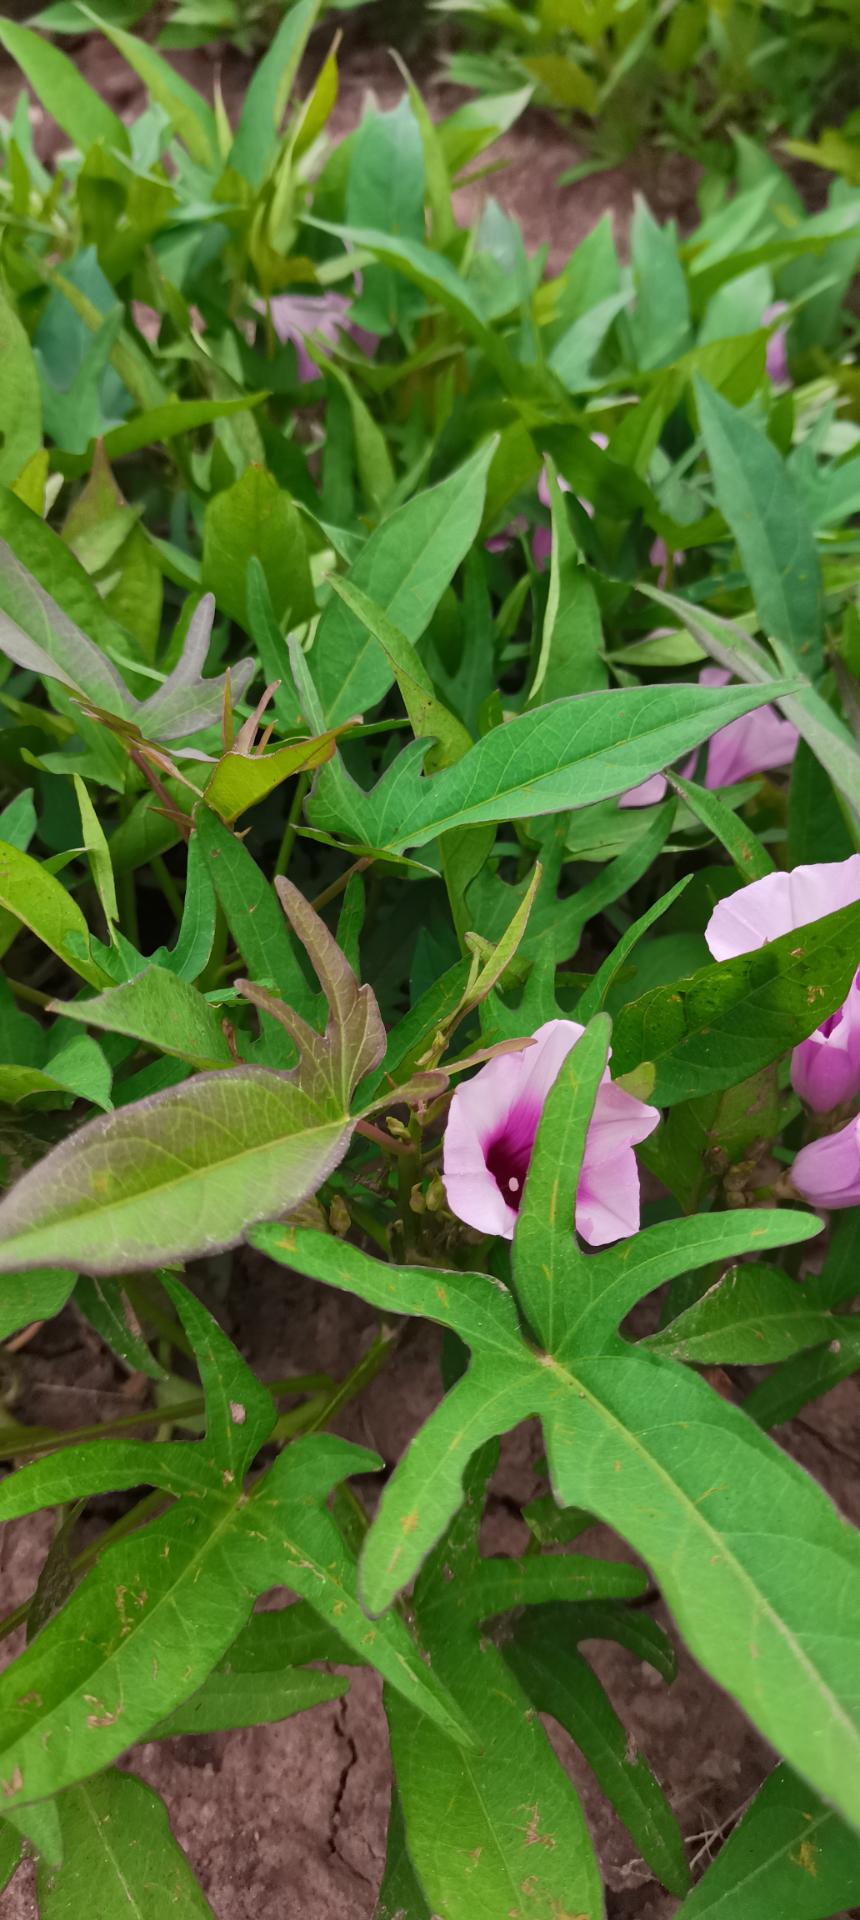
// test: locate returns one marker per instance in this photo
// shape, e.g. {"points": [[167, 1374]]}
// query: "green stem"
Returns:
{"points": [[31, 995], [289, 837], [25, 1440], [164, 879], [127, 899], [366, 1370]]}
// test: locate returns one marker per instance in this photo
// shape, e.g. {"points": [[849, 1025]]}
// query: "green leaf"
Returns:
{"points": [[49, 562], [267, 95], [25, 1297], [400, 1896], [761, 1003], [186, 111], [119, 1857], [10, 1856], [501, 1586], [745, 850], [499, 1829], [257, 924], [595, 995], [255, 519], [751, 1316], [438, 279], [63, 92], [109, 1311], [20, 400], [385, 192], [242, 780], [756, 494], [155, 425], [571, 652], [42, 903], [541, 1256], [98, 854], [789, 1854], [561, 1683], [660, 322], [197, 930], [38, 635], [157, 1612], [403, 569], [806, 1377], [240, 1413], [72, 1066], [372, 458], [744, 1545], [566, 755], [185, 1171], [427, 715], [18, 820], [235, 1699]]}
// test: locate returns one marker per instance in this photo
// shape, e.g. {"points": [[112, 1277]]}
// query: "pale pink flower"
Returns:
{"points": [[499, 542], [756, 743], [825, 1069], [147, 320], [492, 1123], [297, 317], [659, 557], [827, 1172], [776, 359], [780, 902]]}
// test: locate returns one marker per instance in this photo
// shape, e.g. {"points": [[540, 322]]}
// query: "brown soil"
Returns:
{"points": [[289, 1822]]}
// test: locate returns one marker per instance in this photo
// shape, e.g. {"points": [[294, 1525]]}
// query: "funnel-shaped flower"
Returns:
{"points": [[827, 1172], [776, 359], [297, 317], [491, 1131], [756, 743], [780, 902], [825, 1069]]}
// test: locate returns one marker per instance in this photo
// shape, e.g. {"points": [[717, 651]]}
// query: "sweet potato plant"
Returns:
{"points": [[430, 857]]}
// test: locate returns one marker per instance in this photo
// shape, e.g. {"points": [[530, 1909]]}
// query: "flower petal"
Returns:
{"points": [[780, 902]]}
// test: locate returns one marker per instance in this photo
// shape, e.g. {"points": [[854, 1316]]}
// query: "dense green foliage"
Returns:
{"points": [[352, 573]]}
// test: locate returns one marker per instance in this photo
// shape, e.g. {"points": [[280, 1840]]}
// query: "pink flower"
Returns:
{"points": [[491, 1131], [296, 317], [776, 359], [659, 557], [756, 743], [825, 1069], [147, 320], [648, 792], [499, 542], [780, 902], [827, 1172]]}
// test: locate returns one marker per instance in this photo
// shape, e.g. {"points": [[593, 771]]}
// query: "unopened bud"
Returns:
{"points": [[338, 1214], [435, 1197]]}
